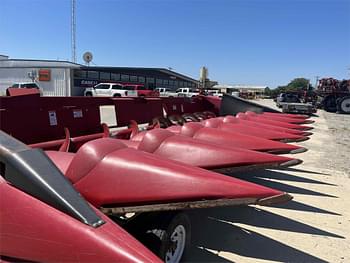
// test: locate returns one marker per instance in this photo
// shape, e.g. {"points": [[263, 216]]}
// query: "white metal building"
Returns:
{"points": [[55, 78], [64, 78], [256, 90]]}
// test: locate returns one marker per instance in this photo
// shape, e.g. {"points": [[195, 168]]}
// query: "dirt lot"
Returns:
{"points": [[314, 227]]}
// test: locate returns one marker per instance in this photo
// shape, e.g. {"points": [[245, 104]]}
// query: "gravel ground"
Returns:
{"points": [[332, 142], [338, 156], [313, 227]]}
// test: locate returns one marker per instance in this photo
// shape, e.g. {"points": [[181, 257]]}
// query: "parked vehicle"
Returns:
{"points": [[111, 90], [166, 92], [214, 92], [291, 103], [301, 108], [27, 85], [334, 95], [286, 97], [141, 90], [187, 92]]}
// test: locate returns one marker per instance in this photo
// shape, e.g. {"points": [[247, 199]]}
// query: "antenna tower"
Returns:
{"points": [[73, 31]]}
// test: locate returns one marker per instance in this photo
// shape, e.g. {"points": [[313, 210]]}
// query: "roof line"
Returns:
{"points": [[164, 70], [42, 60]]}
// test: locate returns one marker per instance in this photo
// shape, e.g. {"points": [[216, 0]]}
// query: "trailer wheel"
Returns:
{"points": [[344, 105], [176, 240], [329, 104]]}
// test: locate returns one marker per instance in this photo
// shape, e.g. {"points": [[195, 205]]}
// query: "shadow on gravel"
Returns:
{"points": [[201, 255], [217, 232], [283, 187], [279, 175], [294, 205], [260, 218], [303, 171]]}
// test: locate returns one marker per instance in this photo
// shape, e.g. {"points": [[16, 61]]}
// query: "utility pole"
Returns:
{"points": [[73, 31]]}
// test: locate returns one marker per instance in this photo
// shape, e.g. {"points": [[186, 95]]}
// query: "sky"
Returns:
{"points": [[257, 42]]}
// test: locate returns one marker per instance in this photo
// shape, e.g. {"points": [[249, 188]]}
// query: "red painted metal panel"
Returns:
{"points": [[200, 153], [287, 115], [226, 139], [141, 110], [280, 118], [272, 122], [184, 105], [107, 173], [244, 120], [32, 230], [237, 125]]}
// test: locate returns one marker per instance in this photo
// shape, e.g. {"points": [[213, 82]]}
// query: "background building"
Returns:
{"points": [[150, 77], [64, 78], [53, 77], [249, 91]]}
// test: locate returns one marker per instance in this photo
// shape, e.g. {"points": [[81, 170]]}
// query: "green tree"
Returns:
{"points": [[298, 84], [267, 91], [294, 85]]}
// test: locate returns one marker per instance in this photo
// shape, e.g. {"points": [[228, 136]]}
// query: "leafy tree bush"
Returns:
{"points": [[295, 85]]}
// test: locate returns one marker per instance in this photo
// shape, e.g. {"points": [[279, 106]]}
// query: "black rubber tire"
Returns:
{"points": [[329, 103], [88, 94], [343, 105], [179, 219], [117, 95]]}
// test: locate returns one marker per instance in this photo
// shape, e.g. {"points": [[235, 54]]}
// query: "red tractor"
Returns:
{"points": [[334, 95]]}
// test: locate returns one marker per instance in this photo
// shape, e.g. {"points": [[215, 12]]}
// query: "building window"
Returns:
{"points": [[165, 82], [141, 79], [92, 74], [117, 87], [105, 75], [102, 86], [80, 74], [124, 77], [159, 82], [171, 82], [133, 78], [150, 80], [115, 76]]}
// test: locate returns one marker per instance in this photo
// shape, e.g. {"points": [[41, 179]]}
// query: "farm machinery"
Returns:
{"points": [[125, 195], [333, 95]]}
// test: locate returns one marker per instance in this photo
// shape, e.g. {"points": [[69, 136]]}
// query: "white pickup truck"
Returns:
{"points": [[110, 90], [166, 92], [187, 92], [214, 92]]}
